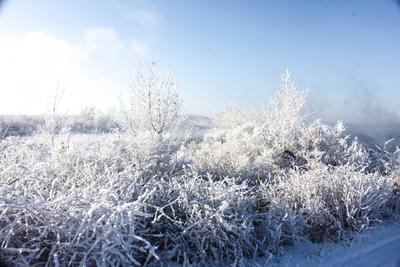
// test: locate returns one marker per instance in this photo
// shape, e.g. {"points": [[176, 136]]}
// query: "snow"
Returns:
{"points": [[145, 196], [376, 247]]}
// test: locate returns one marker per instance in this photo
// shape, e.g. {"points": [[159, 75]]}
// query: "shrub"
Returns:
{"points": [[154, 104], [150, 197]]}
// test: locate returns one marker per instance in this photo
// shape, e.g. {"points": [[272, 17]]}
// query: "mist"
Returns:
{"points": [[368, 115]]}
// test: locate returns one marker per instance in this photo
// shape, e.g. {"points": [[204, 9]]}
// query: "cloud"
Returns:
{"points": [[106, 40], [31, 64], [92, 69]]}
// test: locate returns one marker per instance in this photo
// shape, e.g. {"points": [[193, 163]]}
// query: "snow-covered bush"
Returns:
{"points": [[154, 103], [77, 202], [113, 201], [260, 145], [91, 120], [329, 202], [150, 197]]}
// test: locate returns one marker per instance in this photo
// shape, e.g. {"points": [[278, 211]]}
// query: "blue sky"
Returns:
{"points": [[347, 53]]}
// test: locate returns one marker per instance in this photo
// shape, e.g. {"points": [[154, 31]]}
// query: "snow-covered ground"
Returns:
{"points": [[376, 247]]}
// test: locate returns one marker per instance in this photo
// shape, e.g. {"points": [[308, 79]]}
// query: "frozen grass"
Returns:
{"points": [[249, 187]]}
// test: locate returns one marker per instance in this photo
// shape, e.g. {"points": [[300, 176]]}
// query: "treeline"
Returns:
{"points": [[89, 120]]}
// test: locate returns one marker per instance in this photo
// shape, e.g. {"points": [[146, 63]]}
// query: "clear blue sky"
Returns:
{"points": [[347, 53]]}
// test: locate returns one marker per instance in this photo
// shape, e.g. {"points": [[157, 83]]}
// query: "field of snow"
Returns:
{"points": [[379, 246], [267, 187]]}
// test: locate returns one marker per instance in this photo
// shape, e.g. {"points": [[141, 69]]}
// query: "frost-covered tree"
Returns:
{"points": [[278, 137], [154, 103], [53, 122]]}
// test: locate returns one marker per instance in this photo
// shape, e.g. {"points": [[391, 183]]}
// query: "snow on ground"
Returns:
{"points": [[376, 247]]}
